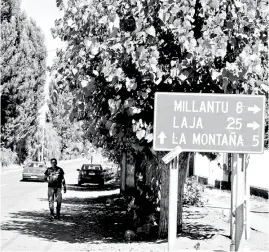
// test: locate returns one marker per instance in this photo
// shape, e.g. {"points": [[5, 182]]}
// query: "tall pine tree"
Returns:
{"points": [[23, 74]]}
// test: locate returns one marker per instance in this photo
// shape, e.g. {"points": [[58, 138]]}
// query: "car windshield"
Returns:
{"points": [[89, 167], [35, 165]]}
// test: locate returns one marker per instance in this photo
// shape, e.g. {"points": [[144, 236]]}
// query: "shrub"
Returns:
{"points": [[7, 157], [193, 192]]}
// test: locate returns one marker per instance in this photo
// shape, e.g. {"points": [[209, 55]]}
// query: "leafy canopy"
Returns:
{"points": [[119, 53], [69, 135]]}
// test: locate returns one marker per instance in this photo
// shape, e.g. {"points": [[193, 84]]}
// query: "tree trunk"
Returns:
{"points": [[123, 172], [157, 177], [164, 200], [20, 156], [184, 160], [151, 175], [130, 170]]}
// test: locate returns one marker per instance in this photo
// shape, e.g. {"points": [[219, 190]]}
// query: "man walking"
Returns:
{"points": [[55, 178]]}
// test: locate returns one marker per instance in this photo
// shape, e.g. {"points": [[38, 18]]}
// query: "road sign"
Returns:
{"points": [[209, 122], [172, 154]]}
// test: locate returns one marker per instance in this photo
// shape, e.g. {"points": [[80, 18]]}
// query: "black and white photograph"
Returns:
{"points": [[134, 125]]}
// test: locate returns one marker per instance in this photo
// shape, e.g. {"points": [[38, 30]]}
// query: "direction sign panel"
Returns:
{"points": [[209, 122]]}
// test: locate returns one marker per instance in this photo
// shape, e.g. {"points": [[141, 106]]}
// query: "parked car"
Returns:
{"points": [[108, 173], [91, 173], [34, 171]]}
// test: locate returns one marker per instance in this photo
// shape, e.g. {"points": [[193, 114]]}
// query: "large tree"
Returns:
{"points": [[70, 135], [23, 67], [119, 53]]}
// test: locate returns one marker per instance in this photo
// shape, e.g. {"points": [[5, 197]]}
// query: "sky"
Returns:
{"points": [[44, 12]]}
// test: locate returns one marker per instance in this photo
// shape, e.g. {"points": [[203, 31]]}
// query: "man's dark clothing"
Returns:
{"points": [[55, 177]]}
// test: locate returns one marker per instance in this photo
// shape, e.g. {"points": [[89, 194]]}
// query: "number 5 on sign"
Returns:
{"points": [[255, 140]]}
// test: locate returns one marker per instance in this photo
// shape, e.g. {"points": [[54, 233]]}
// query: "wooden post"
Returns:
{"points": [[239, 211], [123, 172], [172, 211], [233, 193], [247, 199]]}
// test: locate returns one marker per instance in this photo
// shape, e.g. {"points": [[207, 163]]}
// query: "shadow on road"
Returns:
{"points": [[260, 212], [198, 231], [90, 220], [192, 229], [193, 214], [32, 181], [92, 187], [83, 220]]}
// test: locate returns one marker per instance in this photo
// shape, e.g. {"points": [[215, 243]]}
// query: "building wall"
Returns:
{"points": [[258, 169], [212, 170]]}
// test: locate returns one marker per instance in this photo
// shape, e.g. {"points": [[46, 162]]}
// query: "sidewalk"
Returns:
{"points": [[259, 223], [259, 215]]}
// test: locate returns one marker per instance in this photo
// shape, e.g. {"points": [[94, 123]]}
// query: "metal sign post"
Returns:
{"points": [[172, 159], [233, 198], [231, 179], [173, 192], [247, 199], [239, 201]]}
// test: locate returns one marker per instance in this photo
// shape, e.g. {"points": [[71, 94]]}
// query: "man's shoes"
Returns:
{"points": [[52, 217]]}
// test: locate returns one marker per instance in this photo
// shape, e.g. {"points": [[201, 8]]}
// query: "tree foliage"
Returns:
{"points": [[70, 135], [119, 53], [7, 157], [52, 143], [22, 67]]}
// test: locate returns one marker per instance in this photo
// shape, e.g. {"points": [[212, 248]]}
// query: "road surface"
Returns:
{"points": [[24, 213], [88, 223]]}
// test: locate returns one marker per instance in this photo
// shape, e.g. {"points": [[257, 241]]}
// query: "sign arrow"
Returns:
{"points": [[255, 109], [162, 136], [253, 125]]}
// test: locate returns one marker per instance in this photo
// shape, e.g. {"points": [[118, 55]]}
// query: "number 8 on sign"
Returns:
{"points": [[239, 107]]}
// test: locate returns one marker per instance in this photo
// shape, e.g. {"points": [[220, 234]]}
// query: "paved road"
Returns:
{"points": [[86, 222], [24, 212], [14, 191]]}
